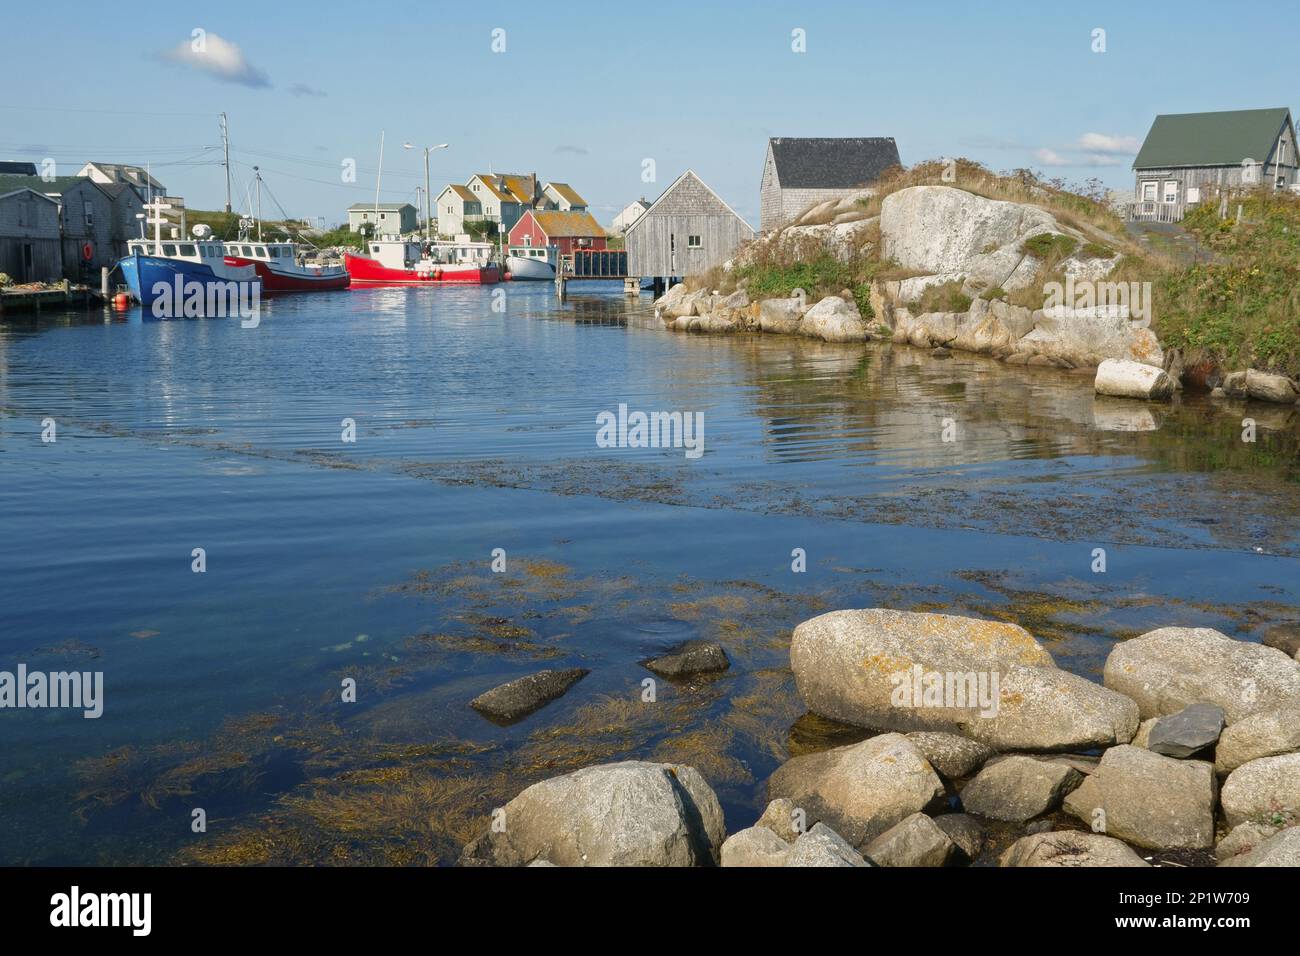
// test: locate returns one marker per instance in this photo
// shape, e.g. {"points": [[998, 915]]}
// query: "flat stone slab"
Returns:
{"points": [[693, 657], [1187, 732], [517, 699]]}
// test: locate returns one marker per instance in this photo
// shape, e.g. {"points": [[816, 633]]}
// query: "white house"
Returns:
{"points": [[630, 214]]}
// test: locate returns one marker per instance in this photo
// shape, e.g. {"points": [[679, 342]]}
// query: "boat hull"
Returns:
{"points": [[274, 281], [524, 269], [151, 277], [366, 271]]}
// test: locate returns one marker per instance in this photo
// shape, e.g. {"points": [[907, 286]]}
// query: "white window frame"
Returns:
{"points": [[1151, 187], [694, 242], [1165, 195]]}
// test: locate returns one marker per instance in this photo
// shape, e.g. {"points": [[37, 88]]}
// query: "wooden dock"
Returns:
{"points": [[33, 300], [590, 265]]}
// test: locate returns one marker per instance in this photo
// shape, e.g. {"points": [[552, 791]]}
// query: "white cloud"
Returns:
{"points": [[1050, 157], [1105, 143], [218, 57]]}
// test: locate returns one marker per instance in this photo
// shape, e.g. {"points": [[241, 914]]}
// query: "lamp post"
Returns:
{"points": [[427, 151]]}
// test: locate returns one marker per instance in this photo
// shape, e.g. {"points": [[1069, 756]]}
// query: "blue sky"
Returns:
{"points": [[584, 92]]}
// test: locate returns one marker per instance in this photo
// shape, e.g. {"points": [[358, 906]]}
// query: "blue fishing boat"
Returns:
{"points": [[184, 270]]}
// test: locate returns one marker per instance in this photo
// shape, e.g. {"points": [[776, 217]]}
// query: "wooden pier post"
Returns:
{"points": [[103, 281]]}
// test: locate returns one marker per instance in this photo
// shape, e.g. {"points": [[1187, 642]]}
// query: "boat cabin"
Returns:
{"points": [[409, 254], [273, 252], [206, 251], [545, 254]]}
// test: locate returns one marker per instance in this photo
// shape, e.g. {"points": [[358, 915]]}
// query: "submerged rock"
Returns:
{"points": [[1167, 669], [860, 790], [1070, 848], [1187, 732], [693, 657], [1148, 800], [1124, 379], [622, 814], [1019, 788], [915, 841], [1263, 789], [517, 699]]}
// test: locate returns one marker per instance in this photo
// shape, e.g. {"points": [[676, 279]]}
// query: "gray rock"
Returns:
{"points": [[1167, 669], [1018, 788], [1282, 849], [622, 814], [1263, 789], [1243, 838], [1261, 386], [1124, 379], [822, 846], [1070, 848], [916, 841], [779, 817], [862, 667], [781, 315], [1187, 732], [757, 846], [937, 229], [1090, 340], [954, 757], [1148, 800], [965, 832], [1265, 734], [1285, 638], [519, 698], [693, 657], [860, 790], [834, 320]]}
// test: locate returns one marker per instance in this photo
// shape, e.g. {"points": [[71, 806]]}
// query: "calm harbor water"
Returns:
{"points": [[476, 430]]}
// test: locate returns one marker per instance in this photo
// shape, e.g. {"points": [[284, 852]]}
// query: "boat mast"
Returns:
{"points": [[225, 143], [257, 177], [379, 178]]}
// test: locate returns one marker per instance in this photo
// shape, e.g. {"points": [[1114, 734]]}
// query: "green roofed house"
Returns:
{"points": [[1191, 157]]}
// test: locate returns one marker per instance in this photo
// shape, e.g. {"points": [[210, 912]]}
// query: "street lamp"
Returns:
{"points": [[427, 151]]}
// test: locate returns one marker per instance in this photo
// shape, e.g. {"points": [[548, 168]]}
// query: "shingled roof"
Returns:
{"points": [[832, 163], [1211, 139], [559, 224]]}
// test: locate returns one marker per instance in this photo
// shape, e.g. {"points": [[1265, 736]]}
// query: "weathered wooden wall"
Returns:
{"points": [[657, 243]]}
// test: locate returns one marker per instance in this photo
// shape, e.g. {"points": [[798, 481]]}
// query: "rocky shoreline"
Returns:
{"points": [[983, 250], [1191, 744]]}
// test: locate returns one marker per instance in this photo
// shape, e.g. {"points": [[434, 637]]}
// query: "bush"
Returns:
{"points": [[1050, 247], [947, 297]]}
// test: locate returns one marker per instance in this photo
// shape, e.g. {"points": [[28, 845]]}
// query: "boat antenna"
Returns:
{"points": [[379, 177]]}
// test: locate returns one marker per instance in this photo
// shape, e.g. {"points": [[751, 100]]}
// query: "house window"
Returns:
{"points": [[88, 210], [693, 242], [451, 211], [528, 240], [1149, 191], [1171, 190]]}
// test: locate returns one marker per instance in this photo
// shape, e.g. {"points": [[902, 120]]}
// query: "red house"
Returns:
{"points": [[566, 230]]}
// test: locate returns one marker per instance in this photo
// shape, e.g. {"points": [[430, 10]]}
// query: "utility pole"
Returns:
{"points": [[426, 195], [225, 145]]}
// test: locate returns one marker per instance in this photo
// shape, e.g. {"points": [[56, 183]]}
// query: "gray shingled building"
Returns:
{"points": [[801, 171], [686, 231]]}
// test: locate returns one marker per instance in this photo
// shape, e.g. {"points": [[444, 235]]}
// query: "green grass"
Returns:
{"points": [[1050, 247], [1243, 307]]}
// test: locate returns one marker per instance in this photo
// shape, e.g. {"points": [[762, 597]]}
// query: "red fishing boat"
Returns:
{"points": [[281, 269], [407, 262]]}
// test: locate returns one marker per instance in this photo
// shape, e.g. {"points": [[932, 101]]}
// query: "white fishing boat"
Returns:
{"points": [[532, 263]]}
